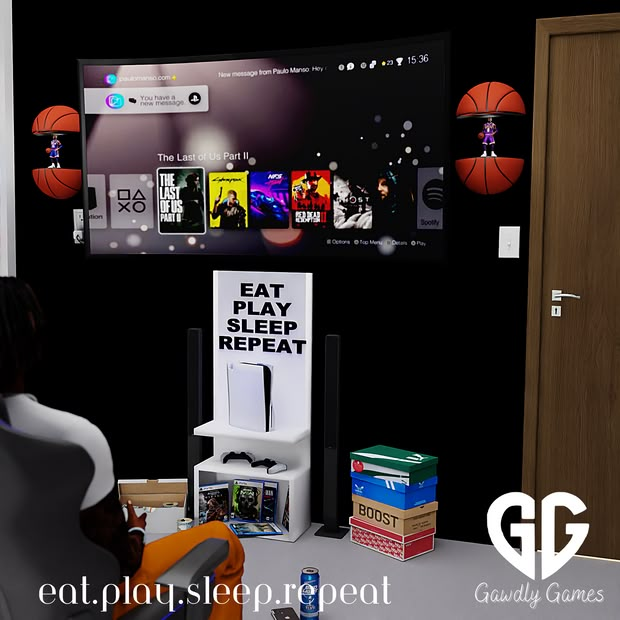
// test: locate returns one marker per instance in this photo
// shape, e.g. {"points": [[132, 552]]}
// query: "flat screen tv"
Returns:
{"points": [[335, 152]]}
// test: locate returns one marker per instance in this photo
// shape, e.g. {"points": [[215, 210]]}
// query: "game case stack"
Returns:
{"points": [[253, 507], [394, 501]]}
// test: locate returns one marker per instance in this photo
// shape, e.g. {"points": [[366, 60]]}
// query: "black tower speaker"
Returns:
{"points": [[194, 410], [331, 527]]}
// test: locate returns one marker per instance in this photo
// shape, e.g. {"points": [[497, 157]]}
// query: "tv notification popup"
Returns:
{"points": [[155, 100]]}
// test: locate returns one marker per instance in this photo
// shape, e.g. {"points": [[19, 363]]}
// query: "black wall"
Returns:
{"points": [[433, 354]]}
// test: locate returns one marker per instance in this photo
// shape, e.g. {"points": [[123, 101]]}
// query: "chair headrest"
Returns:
{"points": [[4, 413]]}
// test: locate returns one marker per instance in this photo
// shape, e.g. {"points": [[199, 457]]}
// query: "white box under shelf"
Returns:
{"points": [[239, 299], [295, 481]]}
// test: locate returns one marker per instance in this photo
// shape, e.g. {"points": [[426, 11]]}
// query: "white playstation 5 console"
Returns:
{"points": [[249, 396]]}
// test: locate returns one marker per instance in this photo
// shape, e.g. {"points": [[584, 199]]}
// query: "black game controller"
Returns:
{"points": [[273, 467], [238, 456]]}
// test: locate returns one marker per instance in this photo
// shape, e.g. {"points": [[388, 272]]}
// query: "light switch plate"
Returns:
{"points": [[509, 241]]}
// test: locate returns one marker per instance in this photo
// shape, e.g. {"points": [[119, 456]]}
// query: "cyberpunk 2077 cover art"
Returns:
{"points": [[228, 194]]}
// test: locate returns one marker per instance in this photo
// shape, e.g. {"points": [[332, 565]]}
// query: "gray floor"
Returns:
{"points": [[440, 585]]}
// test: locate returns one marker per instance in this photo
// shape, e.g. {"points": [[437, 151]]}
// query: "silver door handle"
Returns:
{"points": [[557, 295]]}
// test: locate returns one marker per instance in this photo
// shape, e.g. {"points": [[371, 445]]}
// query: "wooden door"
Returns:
{"points": [[572, 396]]}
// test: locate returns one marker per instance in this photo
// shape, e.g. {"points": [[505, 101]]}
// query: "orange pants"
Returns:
{"points": [[161, 554]]}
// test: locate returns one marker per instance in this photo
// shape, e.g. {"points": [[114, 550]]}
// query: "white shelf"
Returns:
{"points": [[242, 469], [290, 393], [214, 428]]}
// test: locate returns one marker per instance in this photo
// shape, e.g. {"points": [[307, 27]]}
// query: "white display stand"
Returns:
{"points": [[265, 318]]}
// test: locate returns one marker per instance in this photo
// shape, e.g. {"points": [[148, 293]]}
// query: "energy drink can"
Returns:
{"points": [[309, 594]]}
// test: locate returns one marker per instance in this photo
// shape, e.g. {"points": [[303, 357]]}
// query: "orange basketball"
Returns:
{"points": [[489, 175], [56, 119], [480, 135], [490, 98], [48, 150], [58, 183]]}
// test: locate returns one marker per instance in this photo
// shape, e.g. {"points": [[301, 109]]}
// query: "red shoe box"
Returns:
{"points": [[389, 543]]}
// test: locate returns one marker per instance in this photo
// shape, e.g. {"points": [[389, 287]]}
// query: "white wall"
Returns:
{"points": [[7, 141]]}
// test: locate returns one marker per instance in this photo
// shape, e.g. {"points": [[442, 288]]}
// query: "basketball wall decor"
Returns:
{"points": [[59, 183], [488, 173], [56, 119], [54, 180], [490, 98]]}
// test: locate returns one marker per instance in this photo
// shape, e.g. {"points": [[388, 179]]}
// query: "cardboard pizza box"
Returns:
{"points": [[163, 500]]}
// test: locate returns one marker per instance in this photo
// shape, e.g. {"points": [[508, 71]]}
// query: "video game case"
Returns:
{"points": [[270, 500], [246, 501], [213, 502], [243, 529], [285, 515]]}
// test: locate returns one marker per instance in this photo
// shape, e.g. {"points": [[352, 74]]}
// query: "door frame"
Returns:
{"points": [[545, 29]]}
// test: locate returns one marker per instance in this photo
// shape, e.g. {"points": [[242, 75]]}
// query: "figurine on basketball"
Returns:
{"points": [[54, 151], [54, 181], [487, 135], [489, 173]]}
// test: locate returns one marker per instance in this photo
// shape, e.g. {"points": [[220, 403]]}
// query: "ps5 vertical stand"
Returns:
{"points": [[239, 340], [331, 528]]}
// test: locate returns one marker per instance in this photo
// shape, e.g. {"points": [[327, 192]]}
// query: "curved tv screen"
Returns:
{"points": [[325, 152]]}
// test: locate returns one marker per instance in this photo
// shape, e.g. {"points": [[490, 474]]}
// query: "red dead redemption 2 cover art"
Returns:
{"points": [[311, 205]]}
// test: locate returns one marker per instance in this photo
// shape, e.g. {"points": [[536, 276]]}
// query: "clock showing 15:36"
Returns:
{"points": [[418, 59]]}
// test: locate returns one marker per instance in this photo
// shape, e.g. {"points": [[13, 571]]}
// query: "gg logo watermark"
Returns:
{"points": [[526, 561]]}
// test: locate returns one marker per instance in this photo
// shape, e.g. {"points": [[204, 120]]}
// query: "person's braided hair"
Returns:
{"points": [[21, 322]]}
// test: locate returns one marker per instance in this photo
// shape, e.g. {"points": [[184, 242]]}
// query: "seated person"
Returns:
{"points": [[102, 519]]}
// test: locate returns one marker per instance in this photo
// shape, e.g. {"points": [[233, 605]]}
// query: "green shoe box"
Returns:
{"points": [[393, 464]]}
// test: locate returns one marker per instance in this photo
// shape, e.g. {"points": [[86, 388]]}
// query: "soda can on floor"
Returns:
{"points": [[309, 594]]}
